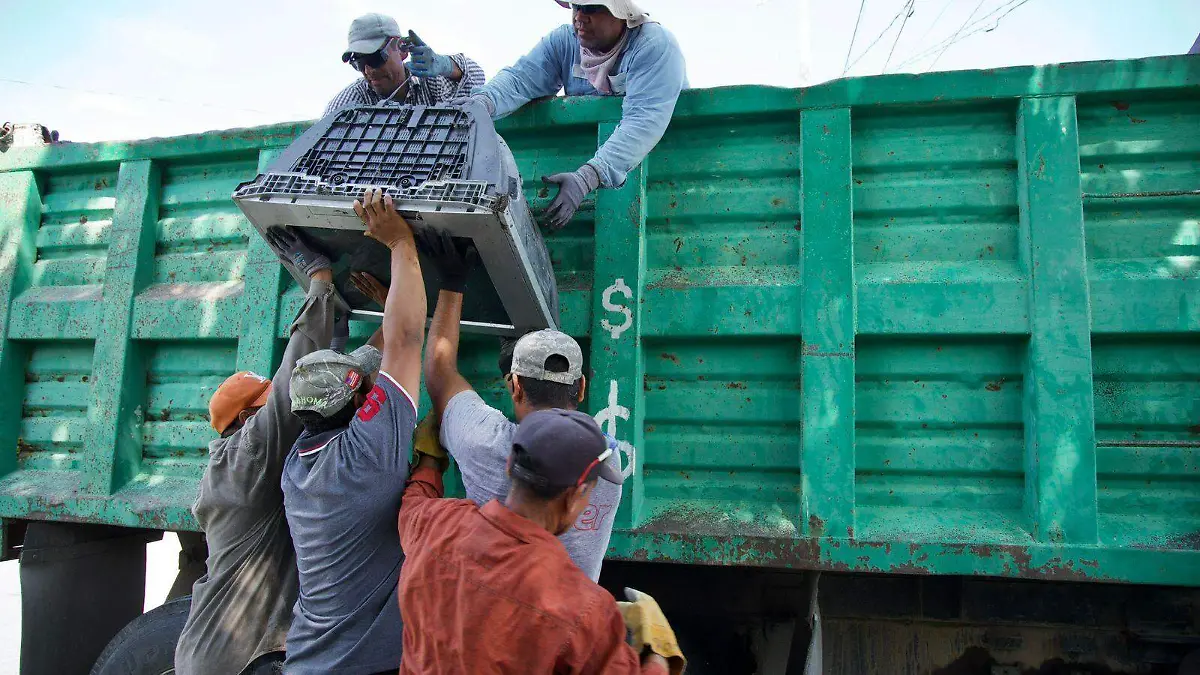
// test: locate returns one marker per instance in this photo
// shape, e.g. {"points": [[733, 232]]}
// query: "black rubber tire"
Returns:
{"points": [[146, 645]]}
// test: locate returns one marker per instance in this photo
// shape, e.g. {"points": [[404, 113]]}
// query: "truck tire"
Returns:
{"points": [[146, 645]]}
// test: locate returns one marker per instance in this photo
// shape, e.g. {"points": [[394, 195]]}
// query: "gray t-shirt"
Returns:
{"points": [[342, 491], [242, 607], [479, 437]]}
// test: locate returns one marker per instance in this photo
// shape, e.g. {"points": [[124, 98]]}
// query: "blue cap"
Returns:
{"points": [[559, 448]]}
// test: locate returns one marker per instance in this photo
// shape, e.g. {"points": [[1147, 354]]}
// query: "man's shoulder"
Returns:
{"points": [[218, 448], [355, 93], [468, 408], [571, 597], [656, 37]]}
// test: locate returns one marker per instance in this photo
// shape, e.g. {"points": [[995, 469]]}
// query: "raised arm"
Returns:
{"points": [[538, 73], [404, 312], [274, 428], [442, 379]]}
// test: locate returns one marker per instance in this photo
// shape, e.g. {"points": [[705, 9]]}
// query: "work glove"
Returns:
{"points": [[650, 630], [573, 186], [454, 262], [482, 105], [426, 442], [292, 246], [424, 61]]}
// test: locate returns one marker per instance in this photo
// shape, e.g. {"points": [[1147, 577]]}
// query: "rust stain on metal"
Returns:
{"points": [[670, 357], [981, 551], [1121, 105], [816, 526], [995, 386]]}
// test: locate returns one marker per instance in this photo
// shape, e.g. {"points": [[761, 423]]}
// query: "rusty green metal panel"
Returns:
{"points": [[1060, 425], [259, 346], [113, 446], [942, 324], [827, 332], [617, 359], [20, 213]]}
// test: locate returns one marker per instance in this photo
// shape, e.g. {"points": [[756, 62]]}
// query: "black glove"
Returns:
{"points": [[292, 246], [453, 261], [573, 186]]}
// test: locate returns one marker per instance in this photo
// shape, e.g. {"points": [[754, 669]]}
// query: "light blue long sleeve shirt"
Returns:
{"points": [[650, 75]]}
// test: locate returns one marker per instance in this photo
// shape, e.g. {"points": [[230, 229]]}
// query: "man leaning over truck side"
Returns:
{"points": [[343, 479], [491, 590], [242, 607], [610, 48], [544, 370], [377, 50]]}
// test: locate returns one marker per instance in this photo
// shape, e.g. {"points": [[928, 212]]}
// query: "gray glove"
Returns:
{"points": [[483, 104], [426, 62], [292, 246], [573, 186]]}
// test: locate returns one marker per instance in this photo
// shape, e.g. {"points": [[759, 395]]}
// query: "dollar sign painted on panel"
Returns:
{"points": [[606, 299]]}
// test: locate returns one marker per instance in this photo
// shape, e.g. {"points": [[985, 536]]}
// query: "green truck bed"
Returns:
{"points": [[942, 324]]}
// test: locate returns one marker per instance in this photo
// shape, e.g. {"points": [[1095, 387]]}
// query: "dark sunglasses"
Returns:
{"points": [[377, 59], [588, 9]]}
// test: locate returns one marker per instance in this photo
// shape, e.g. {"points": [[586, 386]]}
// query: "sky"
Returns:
{"points": [[122, 69]]}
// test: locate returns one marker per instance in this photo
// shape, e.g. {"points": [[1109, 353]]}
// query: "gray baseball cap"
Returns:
{"points": [[532, 350], [369, 33], [325, 381]]}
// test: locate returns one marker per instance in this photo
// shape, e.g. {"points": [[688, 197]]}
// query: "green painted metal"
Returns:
{"points": [[1060, 429], [617, 358], [942, 324], [827, 331]]}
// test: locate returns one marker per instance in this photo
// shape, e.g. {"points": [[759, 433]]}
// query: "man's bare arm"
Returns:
{"points": [[404, 313], [442, 379]]}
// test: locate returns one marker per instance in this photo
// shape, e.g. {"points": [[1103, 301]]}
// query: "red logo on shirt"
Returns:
{"points": [[374, 404], [592, 517]]}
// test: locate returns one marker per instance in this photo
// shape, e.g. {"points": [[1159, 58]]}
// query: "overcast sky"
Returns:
{"points": [[131, 68]]}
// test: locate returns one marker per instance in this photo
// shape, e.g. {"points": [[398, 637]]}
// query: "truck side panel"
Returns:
{"points": [[940, 324]]}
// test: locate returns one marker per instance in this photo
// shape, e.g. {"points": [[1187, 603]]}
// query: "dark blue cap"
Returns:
{"points": [[559, 448]]}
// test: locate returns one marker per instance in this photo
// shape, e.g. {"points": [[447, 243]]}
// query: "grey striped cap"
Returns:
{"points": [[533, 349]]}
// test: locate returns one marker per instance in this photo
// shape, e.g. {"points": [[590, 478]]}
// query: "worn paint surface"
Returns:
{"points": [[939, 324]]}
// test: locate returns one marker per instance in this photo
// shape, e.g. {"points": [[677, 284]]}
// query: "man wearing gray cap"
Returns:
{"points": [[343, 479], [378, 50], [544, 370], [610, 48]]}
